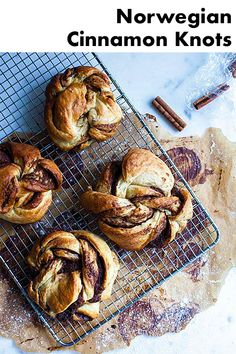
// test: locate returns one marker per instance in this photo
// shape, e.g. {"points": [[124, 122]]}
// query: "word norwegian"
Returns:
{"points": [[193, 19]]}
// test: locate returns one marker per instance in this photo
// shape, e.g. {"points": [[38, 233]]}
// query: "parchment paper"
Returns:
{"points": [[209, 165]]}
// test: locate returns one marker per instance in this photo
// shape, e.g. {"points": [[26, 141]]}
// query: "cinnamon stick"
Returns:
{"points": [[168, 113], [210, 96]]}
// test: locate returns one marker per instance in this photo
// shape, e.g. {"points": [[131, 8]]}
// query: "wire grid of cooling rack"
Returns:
{"points": [[23, 79]]}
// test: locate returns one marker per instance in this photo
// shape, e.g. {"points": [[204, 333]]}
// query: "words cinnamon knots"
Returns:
{"points": [[74, 271], [80, 107], [136, 201], [27, 181]]}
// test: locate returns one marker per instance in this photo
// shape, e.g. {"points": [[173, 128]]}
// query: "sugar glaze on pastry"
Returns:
{"points": [[136, 202], [74, 270], [26, 183], [80, 107]]}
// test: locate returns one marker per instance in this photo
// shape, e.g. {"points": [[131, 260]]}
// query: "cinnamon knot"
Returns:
{"points": [[136, 201], [27, 181], [74, 271], [80, 107]]}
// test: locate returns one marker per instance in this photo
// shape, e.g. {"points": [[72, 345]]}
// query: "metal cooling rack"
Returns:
{"points": [[23, 78]]}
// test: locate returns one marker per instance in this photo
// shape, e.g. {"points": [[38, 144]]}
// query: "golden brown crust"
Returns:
{"points": [[75, 271], [96, 201], [27, 181], [80, 107], [140, 161], [179, 220], [135, 201]]}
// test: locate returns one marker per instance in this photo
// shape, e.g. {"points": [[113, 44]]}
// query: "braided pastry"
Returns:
{"points": [[74, 272], [26, 183], [136, 202], [80, 107]]}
